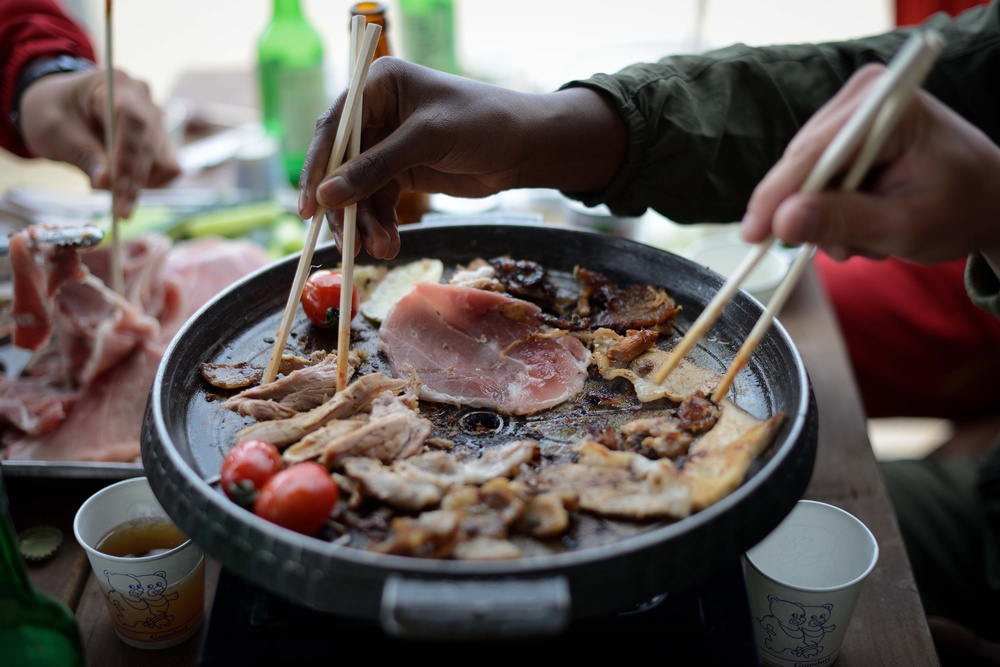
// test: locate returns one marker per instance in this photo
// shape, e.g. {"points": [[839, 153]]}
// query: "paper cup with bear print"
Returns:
{"points": [[803, 581], [155, 590]]}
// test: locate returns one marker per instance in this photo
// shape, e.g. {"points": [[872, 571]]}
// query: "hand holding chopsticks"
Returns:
{"points": [[344, 131], [862, 136]]}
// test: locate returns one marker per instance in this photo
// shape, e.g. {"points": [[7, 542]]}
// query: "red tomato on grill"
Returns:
{"points": [[246, 467], [300, 497], [321, 298]]}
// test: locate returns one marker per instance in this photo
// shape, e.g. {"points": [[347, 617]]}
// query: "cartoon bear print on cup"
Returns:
{"points": [[140, 599], [794, 629]]}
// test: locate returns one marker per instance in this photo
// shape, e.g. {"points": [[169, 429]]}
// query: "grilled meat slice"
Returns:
{"points": [[356, 397], [619, 484], [287, 396], [624, 308]]}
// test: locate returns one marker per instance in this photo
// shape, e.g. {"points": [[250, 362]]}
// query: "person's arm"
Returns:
{"points": [[689, 136], [56, 105], [33, 32], [703, 130], [429, 131]]}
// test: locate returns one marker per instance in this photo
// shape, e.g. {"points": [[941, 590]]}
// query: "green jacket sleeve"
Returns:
{"points": [[704, 129]]}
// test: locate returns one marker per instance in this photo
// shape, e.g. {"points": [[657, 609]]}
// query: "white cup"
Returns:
{"points": [[803, 581], [155, 601], [723, 252]]}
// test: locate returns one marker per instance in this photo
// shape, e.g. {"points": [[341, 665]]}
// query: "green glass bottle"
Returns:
{"points": [[292, 80], [35, 630], [428, 31]]}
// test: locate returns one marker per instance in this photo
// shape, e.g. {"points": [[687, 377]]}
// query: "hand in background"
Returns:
{"points": [[62, 117], [931, 194]]}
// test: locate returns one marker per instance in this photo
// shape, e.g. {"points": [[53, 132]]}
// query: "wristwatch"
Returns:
{"points": [[38, 68]]}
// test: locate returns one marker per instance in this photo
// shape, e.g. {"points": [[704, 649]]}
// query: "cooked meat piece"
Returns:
{"points": [[420, 481], [314, 444], [410, 492], [356, 397], [529, 281], [632, 345], [431, 535], [619, 484], [621, 309], [686, 380], [502, 461], [297, 392], [244, 373], [697, 414], [391, 436], [545, 516], [656, 437], [718, 462], [486, 548], [478, 274], [488, 510]]}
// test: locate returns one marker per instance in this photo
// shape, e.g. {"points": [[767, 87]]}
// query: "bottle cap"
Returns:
{"points": [[39, 542]]}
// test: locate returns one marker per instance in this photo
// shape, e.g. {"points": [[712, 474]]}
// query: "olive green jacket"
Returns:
{"points": [[703, 130]]}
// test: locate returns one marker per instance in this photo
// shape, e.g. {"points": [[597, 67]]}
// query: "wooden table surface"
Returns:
{"points": [[888, 628]]}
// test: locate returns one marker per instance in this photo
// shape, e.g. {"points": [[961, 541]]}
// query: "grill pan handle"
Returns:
{"points": [[474, 609]]}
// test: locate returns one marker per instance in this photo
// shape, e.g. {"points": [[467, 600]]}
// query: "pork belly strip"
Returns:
{"points": [[619, 484], [394, 429], [299, 391], [420, 481], [686, 380], [623, 308], [356, 397], [481, 349], [718, 462]]}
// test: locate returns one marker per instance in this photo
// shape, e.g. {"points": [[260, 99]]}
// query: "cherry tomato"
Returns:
{"points": [[246, 467], [321, 298], [300, 497]]}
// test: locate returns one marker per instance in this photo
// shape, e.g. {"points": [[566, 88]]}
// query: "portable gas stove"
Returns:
{"points": [[709, 625]]}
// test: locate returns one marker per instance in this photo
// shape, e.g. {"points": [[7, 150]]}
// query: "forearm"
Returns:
{"points": [[574, 140], [703, 130], [30, 29]]}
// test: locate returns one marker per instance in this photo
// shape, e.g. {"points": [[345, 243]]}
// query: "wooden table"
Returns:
{"points": [[888, 628]]}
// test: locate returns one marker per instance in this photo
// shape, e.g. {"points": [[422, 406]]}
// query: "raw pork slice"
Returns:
{"points": [[88, 390], [481, 349]]}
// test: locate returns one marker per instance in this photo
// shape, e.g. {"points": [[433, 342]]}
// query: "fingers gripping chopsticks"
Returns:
{"points": [[868, 128]]}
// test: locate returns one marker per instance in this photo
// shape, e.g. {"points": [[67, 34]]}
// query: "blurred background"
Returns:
{"points": [[532, 45], [515, 42], [529, 45]]}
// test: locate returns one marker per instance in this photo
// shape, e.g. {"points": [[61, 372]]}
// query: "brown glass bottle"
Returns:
{"points": [[412, 205]]}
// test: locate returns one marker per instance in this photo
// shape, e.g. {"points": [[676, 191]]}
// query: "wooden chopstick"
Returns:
{"points": [[870, 123], [357, 83], [117, 270], [350, 226]]}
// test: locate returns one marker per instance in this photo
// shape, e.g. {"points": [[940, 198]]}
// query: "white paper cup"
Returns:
{"points": [[723, 252], [155, 601], [803, 581]]}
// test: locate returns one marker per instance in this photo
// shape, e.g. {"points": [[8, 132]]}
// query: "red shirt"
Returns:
{"points": [[32, 29], [912, 12]]}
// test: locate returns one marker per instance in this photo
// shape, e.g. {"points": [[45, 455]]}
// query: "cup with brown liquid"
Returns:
{"points": [[151, 574]]}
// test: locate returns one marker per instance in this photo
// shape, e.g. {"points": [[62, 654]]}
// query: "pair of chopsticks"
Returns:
{"points": [[349, 128], [863, 135]]}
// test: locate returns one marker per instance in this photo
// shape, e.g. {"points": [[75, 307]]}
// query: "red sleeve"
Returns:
{"points": [[912, 12], [31, 29]]}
